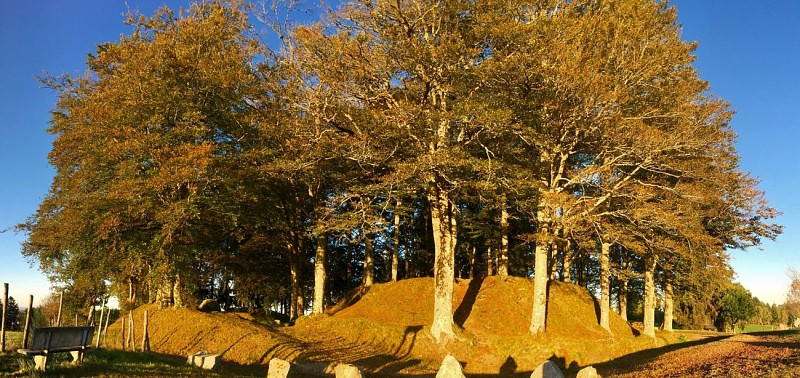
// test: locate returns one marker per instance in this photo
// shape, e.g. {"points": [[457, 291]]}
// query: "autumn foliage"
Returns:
{"points": [[558, 140]]}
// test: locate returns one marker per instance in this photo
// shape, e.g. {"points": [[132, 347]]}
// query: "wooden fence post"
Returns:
{"points": [[27, 323], [100, 323], [131, 332], [60, 307], [105, 329], [5, 308], [145, 338], [122, 330]]}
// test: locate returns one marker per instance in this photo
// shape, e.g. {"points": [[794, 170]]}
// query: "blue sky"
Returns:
{"points": [[748, 52]]}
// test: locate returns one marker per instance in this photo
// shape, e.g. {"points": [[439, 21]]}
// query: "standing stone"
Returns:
{"points": [[547, 370], [588, 372], [347, 371], [278, 368], [450, 368]]}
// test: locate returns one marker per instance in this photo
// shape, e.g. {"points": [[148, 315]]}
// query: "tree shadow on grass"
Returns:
{"points": [[465, 308]]}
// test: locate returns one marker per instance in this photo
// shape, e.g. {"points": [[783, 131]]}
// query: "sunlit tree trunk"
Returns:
{"points": [[622, 290], [295, 285], [472, 252], [553, 261], [369, 261], [319, 275], [179, 295], [502, 253], [443, 221], [489, 262], [566, 269], [649, 297], [668, 302], [396, 250], [605, 274], [540, 278]]}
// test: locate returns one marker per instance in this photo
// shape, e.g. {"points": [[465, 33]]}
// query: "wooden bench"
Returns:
{"points": [[49, 340]]}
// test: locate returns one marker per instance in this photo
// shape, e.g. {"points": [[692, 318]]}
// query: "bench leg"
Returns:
{"points": [[40, 362], [77, 357]]}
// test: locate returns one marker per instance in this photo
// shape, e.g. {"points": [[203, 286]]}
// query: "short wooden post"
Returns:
{"points": [[105, 328], [145, 338], [100, 323], [27, 323], [76, 320], [60, 307], [131, 332], [5, 308], [122, 331]]}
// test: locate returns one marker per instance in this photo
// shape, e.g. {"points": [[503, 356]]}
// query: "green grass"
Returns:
{"points": [[115, 363], [756, 328]]}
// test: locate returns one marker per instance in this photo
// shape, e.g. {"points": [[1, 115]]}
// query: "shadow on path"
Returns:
{"points": [[644, 356]]}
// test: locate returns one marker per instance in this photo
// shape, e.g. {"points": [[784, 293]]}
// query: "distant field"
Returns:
{"points": [[756, 328]]}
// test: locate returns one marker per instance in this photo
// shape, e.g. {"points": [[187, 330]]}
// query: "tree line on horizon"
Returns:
{"points": [[552, 139]]}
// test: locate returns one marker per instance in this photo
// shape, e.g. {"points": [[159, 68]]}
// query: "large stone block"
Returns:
{"points": [[204, 360], [347, 371], [547, 370], [278, 368], [588, 372], [450, 368]]}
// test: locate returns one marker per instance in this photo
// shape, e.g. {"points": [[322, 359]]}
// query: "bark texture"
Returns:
{"points": [[502, 254], [369, 262], [540, 278], [605, 274], [649, 297], [396, 250], [319, 275], [669, 304], [443, 221]]}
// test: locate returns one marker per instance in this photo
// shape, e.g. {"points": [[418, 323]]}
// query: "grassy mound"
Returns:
{"points": [[181, 331], [385, 330], [493, 316]]}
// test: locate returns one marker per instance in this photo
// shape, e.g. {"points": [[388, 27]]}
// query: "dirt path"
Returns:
{"points": [[763, 354]]}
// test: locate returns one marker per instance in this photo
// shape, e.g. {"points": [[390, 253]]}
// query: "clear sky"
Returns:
{"points": [[749, 52]]}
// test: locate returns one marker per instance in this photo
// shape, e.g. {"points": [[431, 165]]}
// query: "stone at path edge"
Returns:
{"points": [[547, 370], [278, 368], [450, 368]]}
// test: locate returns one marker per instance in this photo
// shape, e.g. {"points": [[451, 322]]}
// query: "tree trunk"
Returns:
{"points": [[622, 293], [369, 261], [396, 250], [295, 283], [489, 262], [668, 303], [540, 278], [553, 262], [179, 297], [623, 298], [605, 274], [502, 253], [566, 274], [649, 297], [132, 291], [319, 275], [472, 262], [443, 222]]}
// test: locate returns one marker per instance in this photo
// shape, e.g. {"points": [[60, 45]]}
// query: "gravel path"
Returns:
{"points": [[764, 354]]}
